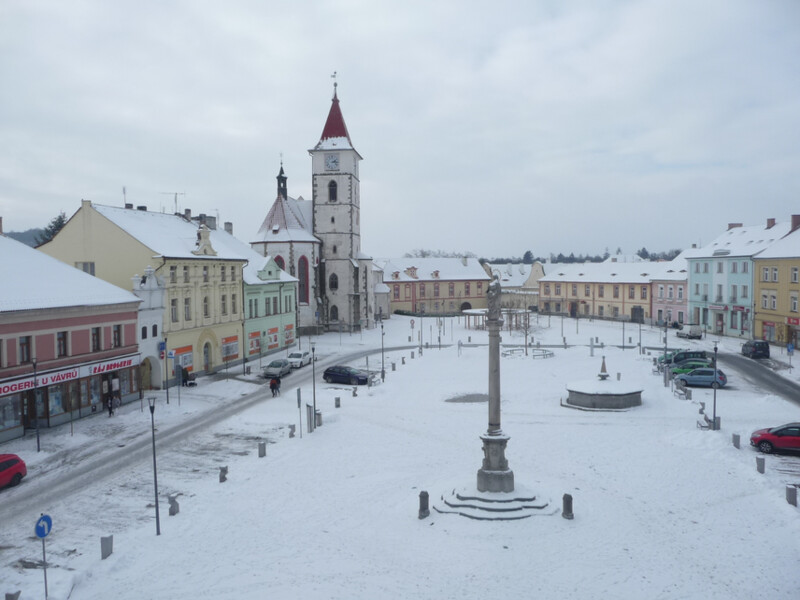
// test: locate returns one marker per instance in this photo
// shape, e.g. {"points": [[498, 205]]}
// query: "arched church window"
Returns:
{"points": [[333, 281], [332, 191], [334, 313], [280, 263], [302, 283]]}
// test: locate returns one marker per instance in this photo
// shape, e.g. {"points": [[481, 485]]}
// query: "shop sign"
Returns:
{"points": [[738, 308], [254, 338], [109, 365], [769, 324], [230, 347], [717, 307], [63, 376], [272, 338], [792, 321]]}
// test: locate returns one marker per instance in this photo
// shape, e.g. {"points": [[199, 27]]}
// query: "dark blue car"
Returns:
{"points": [[344, 374]]}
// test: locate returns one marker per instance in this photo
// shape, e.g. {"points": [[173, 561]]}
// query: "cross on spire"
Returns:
{"points": [[334, 83]]}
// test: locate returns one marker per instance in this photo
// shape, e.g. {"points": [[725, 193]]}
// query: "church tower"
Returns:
{"points": [[345, 274]]}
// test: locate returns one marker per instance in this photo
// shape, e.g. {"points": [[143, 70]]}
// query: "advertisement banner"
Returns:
{"points": [[230, 348], [254, 338]]}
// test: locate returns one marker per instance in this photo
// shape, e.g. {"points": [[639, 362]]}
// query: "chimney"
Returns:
{"points": [[733, 225], [770, 223], [229, 227], [142, 208], [795, 222], [211, 222], [187, 214]]}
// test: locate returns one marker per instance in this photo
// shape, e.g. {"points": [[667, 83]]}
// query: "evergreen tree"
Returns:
{"points": [[52, 229], [527, 258]]}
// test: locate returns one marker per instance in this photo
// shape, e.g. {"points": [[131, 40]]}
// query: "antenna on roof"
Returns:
{"points": [[124, 196], [176, 198]]}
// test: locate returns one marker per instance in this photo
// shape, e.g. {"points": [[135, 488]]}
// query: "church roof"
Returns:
{"points": [[334, 135], [286, 221]]}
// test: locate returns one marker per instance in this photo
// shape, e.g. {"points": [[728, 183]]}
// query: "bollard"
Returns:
{"points": [[423, 505], [337, 402], [412, 355], [291, 431], [402, 360], [262, 449], [619, 375], [791, 495], [760, 464], [469, 339], [394, 366], [717, 423], [318, 419], [566, 512], [106, 546], [736, 440], [223, 474], [409, 338], [688, 394], [174, 507]]}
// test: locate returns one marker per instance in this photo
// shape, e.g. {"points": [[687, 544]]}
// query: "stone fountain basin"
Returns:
{"points": [[604, 394]]}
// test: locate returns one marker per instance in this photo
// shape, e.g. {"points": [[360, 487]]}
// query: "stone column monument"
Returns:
{"points": [[494, 475]]}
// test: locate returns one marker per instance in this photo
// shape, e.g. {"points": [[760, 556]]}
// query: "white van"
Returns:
{"points": [[692, 332]]}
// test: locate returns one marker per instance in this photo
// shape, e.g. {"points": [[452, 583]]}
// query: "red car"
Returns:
{"points": [[12, 469], [784, 437]]}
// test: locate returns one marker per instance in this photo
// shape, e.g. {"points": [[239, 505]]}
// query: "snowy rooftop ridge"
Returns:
{"points": [[742, 241], [33, 280], [431, 269]]}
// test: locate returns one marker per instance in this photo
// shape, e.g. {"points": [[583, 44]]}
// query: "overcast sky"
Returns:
{"points": [[490, 127]]}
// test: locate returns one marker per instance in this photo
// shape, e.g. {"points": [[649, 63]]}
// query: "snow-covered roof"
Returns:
{"points": [[255, 261], [288, 220], [741, 241], [786, 247], [166, 234], [511, 275], [432, 269], [34, 280], [607, 272]]}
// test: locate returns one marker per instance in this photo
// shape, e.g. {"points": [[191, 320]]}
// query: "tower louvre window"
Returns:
{"points": [[332, 191]]}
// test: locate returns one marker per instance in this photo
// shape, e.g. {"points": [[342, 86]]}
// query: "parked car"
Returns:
{"points": [[784, 437], [690, 365], [692, 332], [686, 355], [669, 356], [277, 368], [344, 374], [756, 349], [12, 470], [703, 376], [299, 358]]}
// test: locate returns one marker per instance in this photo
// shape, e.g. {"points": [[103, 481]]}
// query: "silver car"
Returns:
{"points": [[277, 368]]}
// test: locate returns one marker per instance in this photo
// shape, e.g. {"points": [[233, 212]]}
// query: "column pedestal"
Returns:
{"points": [[494, 475]]}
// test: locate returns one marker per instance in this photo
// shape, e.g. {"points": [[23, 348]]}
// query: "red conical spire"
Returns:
{"points": [[334, 126]]}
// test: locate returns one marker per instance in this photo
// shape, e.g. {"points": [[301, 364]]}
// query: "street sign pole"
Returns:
{"points": [[43, 527]]}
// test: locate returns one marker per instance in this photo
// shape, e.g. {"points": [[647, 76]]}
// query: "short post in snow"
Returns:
{"points": [[566, 510], [424, 511]]}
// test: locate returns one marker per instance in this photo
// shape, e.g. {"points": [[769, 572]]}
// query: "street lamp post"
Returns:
{"points": [[151, 400], [714, 386], [36, 404], [314, 382], [383, 369]]}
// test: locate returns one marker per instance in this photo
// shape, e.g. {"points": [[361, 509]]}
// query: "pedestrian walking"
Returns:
{"points": [[110, 402], [273, 386]]}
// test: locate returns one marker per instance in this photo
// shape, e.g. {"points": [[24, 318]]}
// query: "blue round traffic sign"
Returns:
{"points": [[43, 526]]}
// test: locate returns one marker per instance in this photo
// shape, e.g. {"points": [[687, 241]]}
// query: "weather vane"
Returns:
{"points": [[334, 82]]}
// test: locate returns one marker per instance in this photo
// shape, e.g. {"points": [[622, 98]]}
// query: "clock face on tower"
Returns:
{"points": [[332, 162]]}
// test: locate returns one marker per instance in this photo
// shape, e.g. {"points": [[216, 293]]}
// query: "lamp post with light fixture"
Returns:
{"points": [[36, 404], [151, 401]]}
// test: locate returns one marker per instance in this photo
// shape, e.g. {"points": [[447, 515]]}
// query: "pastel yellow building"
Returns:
{"points": [[776, 275], [203, 316]]}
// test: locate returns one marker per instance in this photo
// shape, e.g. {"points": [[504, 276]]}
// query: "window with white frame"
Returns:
{"points": [[764, 301], [669, 292], [680, 292], [765, 274], [773, 302], [661, 291], [744, 291], [774, 274], [793, 303], [794, 275], [705, 267], [720, 266], [734, 266], [745, 268], [733, 293], [696, 289]]}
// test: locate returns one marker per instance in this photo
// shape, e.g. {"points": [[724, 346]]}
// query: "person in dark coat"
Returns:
{"points": [[273, 386]]}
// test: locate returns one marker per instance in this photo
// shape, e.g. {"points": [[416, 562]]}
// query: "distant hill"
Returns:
{"points": [[26, 237]]}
